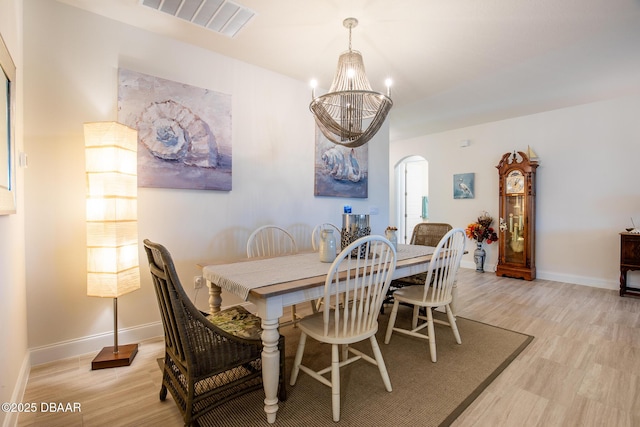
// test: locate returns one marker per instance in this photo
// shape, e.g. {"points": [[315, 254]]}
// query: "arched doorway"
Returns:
{"points": [[412, 189]]}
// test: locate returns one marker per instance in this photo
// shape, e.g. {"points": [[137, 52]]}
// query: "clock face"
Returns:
{"points": [[515, 183]]}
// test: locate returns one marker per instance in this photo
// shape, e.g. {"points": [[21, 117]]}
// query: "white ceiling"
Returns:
{"points": [[454, 63]]}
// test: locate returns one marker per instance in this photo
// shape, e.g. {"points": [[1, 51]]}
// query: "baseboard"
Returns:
{"points": [[11, 418], [472, 266], [579, 280], [557, 277], [93, 343]]}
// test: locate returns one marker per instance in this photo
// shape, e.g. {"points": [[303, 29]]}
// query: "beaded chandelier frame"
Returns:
{"points": [[351, 113]]}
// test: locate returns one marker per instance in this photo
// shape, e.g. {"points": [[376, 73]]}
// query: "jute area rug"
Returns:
{"points": [[424, 393]]}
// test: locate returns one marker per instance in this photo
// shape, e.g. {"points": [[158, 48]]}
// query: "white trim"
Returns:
{"points": [[556, 277], [11, 418], [579, 280], [93, 343], [472, 265]]}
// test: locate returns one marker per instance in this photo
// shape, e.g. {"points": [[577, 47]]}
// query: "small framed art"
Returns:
{"points": [[464, 185]]}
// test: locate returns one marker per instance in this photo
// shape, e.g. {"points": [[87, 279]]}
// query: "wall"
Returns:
{"points": [[72, 58], [14, 358], [586, 183]]}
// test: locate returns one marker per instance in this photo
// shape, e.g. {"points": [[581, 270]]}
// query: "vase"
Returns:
{"points": [[479, 255], [392, 237]]}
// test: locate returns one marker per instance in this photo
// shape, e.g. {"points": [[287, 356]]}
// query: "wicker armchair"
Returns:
{"points": [[429, 233], [425, 234], [208, 360]]}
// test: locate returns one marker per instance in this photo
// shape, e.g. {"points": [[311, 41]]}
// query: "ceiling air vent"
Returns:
{"points": [[223, 17]]}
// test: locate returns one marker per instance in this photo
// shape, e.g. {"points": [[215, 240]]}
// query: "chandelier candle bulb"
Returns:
{"points": [[313, 85]]}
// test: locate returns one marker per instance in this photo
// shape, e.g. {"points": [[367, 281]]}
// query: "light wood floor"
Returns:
{"points": [[582, 368]]}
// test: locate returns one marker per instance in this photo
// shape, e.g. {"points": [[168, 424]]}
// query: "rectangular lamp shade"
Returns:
{"points": [[112, 224]]}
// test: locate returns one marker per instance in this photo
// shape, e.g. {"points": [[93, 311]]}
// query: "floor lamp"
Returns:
{"points": [[112, 225]]}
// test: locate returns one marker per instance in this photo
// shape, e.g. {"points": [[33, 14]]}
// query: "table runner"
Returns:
{"points": [[240, 277]]}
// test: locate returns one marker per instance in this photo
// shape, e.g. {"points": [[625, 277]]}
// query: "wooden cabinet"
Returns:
{"points": [[629, 261], [517, 238]]}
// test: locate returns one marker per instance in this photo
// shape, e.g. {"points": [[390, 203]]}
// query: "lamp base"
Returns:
{"points": [[108, 359]]}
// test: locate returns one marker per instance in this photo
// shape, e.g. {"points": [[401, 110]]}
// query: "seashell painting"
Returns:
{"points": [[171, 131], [340, 171], [341, 164], [184, 132]]}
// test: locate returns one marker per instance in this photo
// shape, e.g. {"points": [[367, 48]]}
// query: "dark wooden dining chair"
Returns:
{"points": [[209, 359]]}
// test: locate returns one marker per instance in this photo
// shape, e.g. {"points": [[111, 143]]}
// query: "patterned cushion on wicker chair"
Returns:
{"points": [[238, 321]]}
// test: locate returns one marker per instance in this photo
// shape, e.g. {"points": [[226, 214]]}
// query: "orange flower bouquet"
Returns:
{"points": [[482, 230]]}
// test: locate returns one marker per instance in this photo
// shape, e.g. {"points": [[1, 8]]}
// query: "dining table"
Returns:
{"points": [[274, 283]]}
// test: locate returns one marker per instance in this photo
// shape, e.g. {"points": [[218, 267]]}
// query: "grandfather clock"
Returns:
{"points": [[517, 239]]}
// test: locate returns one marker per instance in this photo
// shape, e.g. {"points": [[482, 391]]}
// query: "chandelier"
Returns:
{"points": [[351, 113]]}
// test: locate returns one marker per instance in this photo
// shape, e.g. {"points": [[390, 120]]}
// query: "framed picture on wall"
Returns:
{"points": [[464, 186], [340, 171], [184, 132]]}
